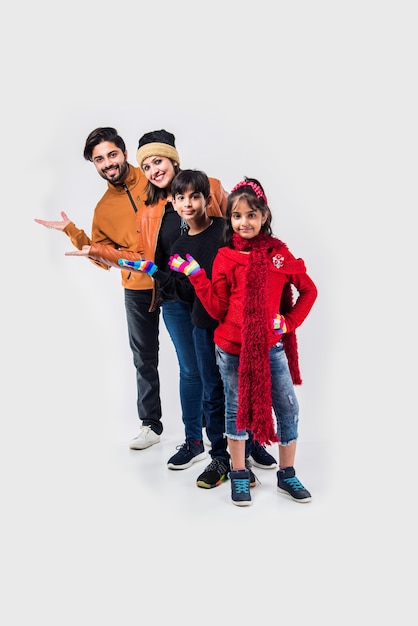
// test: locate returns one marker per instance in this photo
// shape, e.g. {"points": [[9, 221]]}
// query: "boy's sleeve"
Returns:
{"points": [[213, 294]]}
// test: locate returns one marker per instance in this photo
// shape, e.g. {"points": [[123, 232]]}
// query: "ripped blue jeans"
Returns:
{"points": [[284, 401]]}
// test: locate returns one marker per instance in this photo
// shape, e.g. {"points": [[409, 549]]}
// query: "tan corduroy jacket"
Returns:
{"points": [[117, 226]]}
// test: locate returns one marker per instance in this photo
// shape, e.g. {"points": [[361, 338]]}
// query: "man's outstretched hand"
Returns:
{"points": [[57, 225]]}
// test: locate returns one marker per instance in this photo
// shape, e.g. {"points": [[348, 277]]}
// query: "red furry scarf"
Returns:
{"points": [[254, 380]]}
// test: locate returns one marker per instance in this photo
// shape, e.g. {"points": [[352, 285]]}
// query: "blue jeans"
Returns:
{"points": [[177, 319], [284, 401], [143, 332], [213, 392]]}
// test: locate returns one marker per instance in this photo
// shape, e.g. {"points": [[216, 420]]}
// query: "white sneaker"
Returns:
{"points": [[146, 438]]}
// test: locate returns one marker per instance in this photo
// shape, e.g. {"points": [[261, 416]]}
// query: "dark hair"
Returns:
{"points": [[106, 133], [190, 179], [248, 194]]}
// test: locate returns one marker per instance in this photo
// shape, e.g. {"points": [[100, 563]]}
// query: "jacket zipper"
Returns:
{"points": [[154, 290], [125, 188], [130, 197]]}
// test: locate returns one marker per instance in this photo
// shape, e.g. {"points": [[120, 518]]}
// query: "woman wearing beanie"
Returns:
{"points": [[158, 158]]}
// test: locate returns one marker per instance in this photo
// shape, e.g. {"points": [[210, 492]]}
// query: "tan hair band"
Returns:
{"points": [[157, 149]]}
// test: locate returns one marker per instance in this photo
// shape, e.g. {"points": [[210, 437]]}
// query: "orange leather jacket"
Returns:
{"points": [[117, 226]]}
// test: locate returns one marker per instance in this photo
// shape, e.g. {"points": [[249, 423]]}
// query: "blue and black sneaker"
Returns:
{"points": [[259, 457], [240, 487], [289, 484], [188, 453], [214, 474]]}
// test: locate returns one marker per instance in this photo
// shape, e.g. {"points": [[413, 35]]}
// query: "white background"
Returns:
{"points": [[318, 101]]}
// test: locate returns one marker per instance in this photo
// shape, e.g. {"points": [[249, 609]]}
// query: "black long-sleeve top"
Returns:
{"points": [[202, 247]]}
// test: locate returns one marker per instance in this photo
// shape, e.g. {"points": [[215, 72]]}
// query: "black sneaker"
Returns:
{"points": [[214, 474], [240, 487], [259, 457], [253, 478], [188, 453], [289, 484]]}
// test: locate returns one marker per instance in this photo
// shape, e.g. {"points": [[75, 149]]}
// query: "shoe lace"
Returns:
{"points": [[294, 483], [215, 464], [241, 485], [144, 430]]}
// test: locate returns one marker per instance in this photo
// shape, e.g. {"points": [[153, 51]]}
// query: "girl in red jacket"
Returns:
{"points": [[251, 295]]}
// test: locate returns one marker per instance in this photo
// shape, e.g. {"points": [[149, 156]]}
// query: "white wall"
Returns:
{"points": [[315, 99], [317, 102]]}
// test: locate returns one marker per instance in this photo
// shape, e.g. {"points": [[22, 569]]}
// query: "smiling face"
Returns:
{"points": [[190, 205], [110, 162], [245, 220], [159, 171]]}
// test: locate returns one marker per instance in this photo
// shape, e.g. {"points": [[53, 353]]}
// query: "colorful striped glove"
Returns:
{"points": [[189, 266], [148, 267], [279, 324]]}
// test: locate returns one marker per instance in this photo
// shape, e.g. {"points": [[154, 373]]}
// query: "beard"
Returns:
{"points": [[117, 177]]}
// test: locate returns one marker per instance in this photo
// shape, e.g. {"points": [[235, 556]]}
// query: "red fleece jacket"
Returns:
{"points": [[224, 296]]}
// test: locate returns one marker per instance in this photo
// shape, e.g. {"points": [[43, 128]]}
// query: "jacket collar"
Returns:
{"points": [[134, 175]]}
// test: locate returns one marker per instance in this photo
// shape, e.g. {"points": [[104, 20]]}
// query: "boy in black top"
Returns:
{"points": [[204, 235]]}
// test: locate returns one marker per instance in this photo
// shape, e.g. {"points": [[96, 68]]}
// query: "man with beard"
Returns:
{"points": [[122, 221]]}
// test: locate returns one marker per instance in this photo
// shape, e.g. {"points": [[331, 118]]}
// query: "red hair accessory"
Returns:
{"points": [[256, 188]]}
